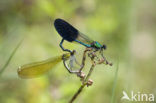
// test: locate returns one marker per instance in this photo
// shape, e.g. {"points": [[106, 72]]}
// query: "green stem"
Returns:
{"points": [[83, 84], [10, 57], [114, 83]]}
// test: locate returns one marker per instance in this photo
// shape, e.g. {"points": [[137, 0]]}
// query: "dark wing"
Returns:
{"points": [[66, 30]]}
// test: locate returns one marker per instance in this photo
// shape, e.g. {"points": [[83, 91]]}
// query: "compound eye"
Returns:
{"points": [[104, 47]]}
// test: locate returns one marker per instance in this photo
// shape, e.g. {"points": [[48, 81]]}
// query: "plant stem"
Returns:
{"points": [[84, 83], [115, 83], [77, 93], [10, 57]]}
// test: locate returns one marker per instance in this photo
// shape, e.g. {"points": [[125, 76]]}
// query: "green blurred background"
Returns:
{"points": [[127, 27]]}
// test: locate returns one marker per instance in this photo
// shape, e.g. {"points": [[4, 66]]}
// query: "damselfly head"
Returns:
{"points": [[97, 45], [104, 46]]}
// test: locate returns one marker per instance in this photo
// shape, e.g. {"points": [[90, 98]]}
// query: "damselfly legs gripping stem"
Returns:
{"points": [[85, 79], [88, 51]]}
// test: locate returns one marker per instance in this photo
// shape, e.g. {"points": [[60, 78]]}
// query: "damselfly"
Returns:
{"points": [[69, 33]]}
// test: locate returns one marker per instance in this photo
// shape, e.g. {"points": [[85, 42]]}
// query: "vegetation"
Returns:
{"points": [[127, 27]]}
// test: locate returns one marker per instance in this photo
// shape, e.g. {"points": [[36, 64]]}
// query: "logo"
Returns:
{"points": [[137, 96]]}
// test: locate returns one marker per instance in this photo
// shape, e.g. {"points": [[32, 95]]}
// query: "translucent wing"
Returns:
{"points": [[39, 68], [84, 39]]}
